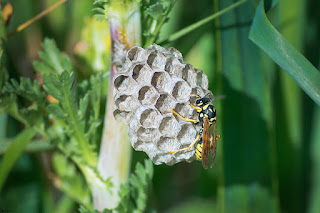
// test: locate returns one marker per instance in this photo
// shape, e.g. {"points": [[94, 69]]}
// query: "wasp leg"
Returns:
{"points": [[186, 119], [197, 108], [189, 147], [195, 95]]}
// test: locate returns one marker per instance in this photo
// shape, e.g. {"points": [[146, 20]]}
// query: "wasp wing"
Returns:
{"points": [[205, 142], [213, 142]]}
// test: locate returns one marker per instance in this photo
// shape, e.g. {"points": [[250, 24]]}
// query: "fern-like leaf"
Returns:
{"points": [[52, 60]]}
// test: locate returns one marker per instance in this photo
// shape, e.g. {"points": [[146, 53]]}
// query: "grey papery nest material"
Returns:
{"points": [[150, 82]]}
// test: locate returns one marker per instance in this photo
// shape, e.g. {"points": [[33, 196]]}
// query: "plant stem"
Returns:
{"points": [[198, 24], [37, 17], [115, 152], [159, 26]]}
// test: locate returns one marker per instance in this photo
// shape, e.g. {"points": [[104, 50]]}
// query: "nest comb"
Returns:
{"points": [[150, 82]]}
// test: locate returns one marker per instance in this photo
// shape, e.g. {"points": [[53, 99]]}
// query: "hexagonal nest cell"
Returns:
{"points": [[150, 82], [148, 95]]}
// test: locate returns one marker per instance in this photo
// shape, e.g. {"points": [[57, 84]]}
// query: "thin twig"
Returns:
{"points": [[40, 15]]}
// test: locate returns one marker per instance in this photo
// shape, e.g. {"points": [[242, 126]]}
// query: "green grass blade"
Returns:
{"points": [[246, 117], [32, 147], [264, 35], [13, 152], [314, 204], [290, 120]]}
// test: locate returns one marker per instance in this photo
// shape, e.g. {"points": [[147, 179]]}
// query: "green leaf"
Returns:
{"points": [[30, 115], [62, 87], [156, 11], [83, 104], [133, 195], [8, 104], [154, 16], [53, 61], [32, 147], [314, 204], [13, 152], [264, 35], [56, 110], [27, 89], [70, 181]]}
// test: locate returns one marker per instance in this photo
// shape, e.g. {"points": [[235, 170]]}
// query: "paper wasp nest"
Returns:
{"points": [[150, 82]]}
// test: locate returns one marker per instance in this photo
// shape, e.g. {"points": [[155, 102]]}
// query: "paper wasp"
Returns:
{"points": [[205, 140]]}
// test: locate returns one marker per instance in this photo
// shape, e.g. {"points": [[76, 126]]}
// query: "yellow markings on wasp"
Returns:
{"points": [[198, 152], [213, 119]]}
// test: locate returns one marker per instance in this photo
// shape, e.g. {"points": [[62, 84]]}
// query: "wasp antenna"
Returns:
{"points": [[195, 95]]}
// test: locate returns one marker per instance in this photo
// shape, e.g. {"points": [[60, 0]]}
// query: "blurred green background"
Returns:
{"points": [[268, 157]]}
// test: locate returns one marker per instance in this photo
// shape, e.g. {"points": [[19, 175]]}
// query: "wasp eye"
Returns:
{"points": [[198, 101]]}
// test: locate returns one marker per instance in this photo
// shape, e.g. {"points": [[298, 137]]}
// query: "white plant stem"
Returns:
{"points": [[115, 152]]}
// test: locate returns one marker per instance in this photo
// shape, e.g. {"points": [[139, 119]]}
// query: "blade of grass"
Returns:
{"points": [[314, 204], [13, 152], [290, 119], [198, 24], [314, 197], [32, 147], [264, 35], [247, 130], [291, 15]]}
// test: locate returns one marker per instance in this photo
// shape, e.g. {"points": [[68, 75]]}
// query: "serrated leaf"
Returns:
{"points": [[52, 60], [59, 86], [133, 195], [52, 86], [83, 104], [9, 104], [141, 174], [156, 11], [149, 169], [62, 87], [56, 110], [26, 89]]}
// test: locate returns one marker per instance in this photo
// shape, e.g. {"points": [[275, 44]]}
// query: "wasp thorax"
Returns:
{"points": [[150, 83]]}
